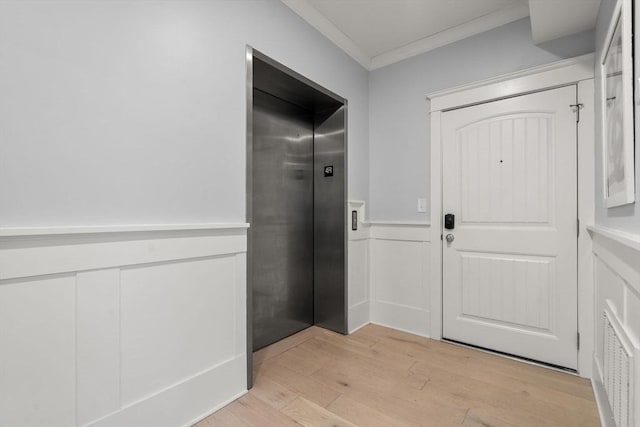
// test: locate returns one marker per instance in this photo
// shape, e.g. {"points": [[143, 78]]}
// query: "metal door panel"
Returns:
{"points": [[330, 221], [282, 225]]}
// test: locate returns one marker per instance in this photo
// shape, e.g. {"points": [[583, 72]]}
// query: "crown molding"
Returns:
{"points": [[327, 28], [318, 21], [451, 35]]}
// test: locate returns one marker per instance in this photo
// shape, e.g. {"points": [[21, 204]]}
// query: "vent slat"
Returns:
{"points": [[617, 374]]}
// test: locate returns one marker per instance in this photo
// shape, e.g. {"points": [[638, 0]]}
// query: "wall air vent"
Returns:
{"points": [[617, 370]]}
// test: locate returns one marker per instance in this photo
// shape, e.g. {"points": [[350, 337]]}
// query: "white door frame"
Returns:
{"points": [[575, 71]]}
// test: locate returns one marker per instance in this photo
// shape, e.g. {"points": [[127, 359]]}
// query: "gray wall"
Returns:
{"points": [[626, 218], [399, 112], [130, 112]]}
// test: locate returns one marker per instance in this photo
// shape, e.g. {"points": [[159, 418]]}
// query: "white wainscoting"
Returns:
{"points": [[358, 256], [121, 326], [617, 290], [399, 276]]}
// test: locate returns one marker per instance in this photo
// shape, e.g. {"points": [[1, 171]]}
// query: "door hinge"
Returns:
{"points": [[440, 236], [578, 340], [578, 227], [576, 109]]}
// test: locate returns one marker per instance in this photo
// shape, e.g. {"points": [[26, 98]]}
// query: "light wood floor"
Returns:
{"points": [[383, 377]]}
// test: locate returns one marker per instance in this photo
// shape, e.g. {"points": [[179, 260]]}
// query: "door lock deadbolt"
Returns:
{"points": [[449, 221]]}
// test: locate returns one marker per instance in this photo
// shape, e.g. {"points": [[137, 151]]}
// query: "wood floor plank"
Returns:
{"points": [[499, 367], [475, 419], [503, 397], [382, 377], [226, 417], [386, 397], [272, 393], [285, 344], [258, 413], [301, 385], [302, 360], [361, 414], [311, 415]]}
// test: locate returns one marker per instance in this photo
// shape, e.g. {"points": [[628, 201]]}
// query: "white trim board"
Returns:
{"points": [[619, 250], [407, 232], [627, 239], [476, 26], [318, 21], [586, 213], [63, 254], [401, 223], [579, 71], [560, 73], [451, 35], [600, 395], [99, 229]]}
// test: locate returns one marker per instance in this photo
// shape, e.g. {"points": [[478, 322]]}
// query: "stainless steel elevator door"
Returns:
{"points": [[282, 225], [330, 292]]}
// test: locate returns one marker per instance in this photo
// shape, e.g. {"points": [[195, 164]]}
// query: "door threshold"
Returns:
{"points": [[522, 359]]}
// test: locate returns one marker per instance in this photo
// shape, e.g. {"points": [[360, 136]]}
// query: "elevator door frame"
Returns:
{"points": [[250, 55]]}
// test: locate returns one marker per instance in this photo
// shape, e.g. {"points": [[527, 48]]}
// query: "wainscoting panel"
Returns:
{"points": [[616, 373], [98, 343], [121, 328], [399, 273], [358, 256], [37, 352]]}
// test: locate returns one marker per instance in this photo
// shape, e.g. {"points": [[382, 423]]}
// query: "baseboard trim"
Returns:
{"points": [[602, 403], [359, 316], [191, 395], [215, 409], [412, 320]]}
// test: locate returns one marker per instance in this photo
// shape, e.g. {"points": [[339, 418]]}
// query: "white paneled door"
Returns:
{"points": [[510, 260]]}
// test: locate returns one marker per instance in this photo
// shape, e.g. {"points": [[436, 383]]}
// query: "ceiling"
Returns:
{"points": [[380, 32], [555, 18]]}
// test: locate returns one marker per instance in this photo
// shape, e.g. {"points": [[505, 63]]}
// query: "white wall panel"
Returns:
{"points": [[632, 314], [37, 352], [98, 341], [170, 314], [187, 402], [358, 269], [240, 287], [358, 286], [144, 328], [399, 271]]}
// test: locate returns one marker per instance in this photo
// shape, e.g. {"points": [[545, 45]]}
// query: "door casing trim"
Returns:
{"points": [[577, 71]]}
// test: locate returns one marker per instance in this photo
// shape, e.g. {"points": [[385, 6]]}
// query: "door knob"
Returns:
{"points": [[450, 238]]}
